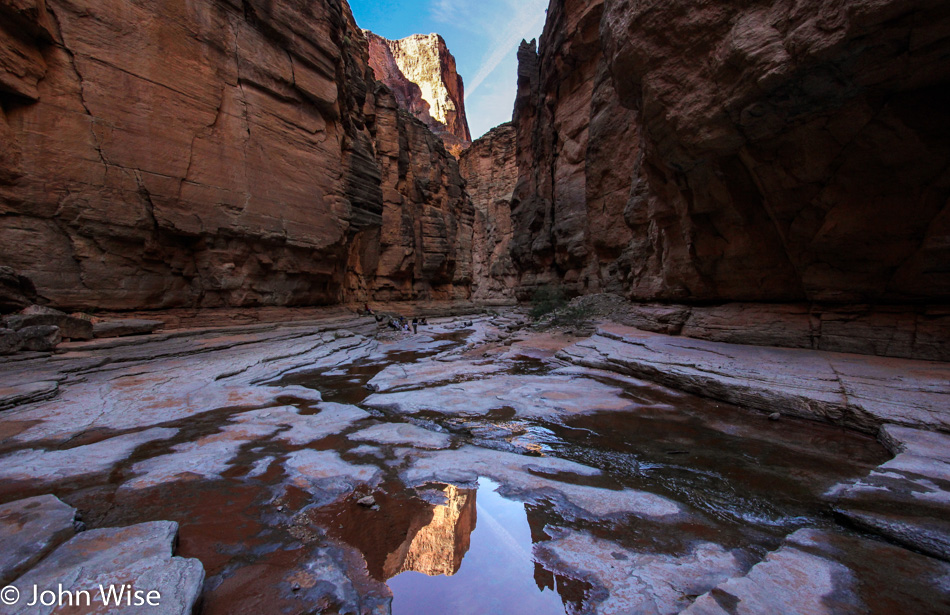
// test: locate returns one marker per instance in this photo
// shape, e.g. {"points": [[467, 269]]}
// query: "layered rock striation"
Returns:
{"points": [[423, 246], [491, 170], [421, 72], [762, 151], [213, 154]]}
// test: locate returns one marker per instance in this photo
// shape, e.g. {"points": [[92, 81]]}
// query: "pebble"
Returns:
{"points": [[775, 416], [367, 502]]}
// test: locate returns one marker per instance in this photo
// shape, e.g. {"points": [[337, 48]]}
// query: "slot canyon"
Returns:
{"points": [[287, 327]]}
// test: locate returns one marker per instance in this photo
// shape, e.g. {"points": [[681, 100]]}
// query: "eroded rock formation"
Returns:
{"points": [[421, 72], [213, 154], [423, 248], [764, 151], [491, 170]]}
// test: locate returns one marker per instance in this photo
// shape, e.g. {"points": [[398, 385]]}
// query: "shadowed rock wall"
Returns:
{"points": [[737, 151], [214, 153]]}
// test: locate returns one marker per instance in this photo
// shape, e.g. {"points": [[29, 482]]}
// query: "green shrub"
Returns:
{"points": [[545, 300], [577, 316]]}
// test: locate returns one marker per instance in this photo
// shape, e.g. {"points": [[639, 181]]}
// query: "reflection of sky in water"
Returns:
{"points": [[496, 576]]}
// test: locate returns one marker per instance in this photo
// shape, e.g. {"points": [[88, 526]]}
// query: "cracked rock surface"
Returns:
{"points": [[336, 465]]}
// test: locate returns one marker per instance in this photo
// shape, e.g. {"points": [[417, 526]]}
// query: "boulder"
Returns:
{"points": [[43, 338], [29, 529], [70, 327]]}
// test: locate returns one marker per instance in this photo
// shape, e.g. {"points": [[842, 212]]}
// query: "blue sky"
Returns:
{"points": [[483, 35]]}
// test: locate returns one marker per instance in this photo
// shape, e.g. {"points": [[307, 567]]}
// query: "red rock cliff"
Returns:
{"points": [[492, 171], [421, 72], [724, 151], [161, 154]]}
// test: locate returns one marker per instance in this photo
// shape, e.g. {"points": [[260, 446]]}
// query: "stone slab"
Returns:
{"points": [[850, 390], [140, 555], [29, 529], [124, 328], [907, 499], [823, 573]]}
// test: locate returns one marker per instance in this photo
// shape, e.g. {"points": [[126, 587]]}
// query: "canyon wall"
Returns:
{"points": [[423, 248], [769, 151], [421, 72], [492, 171], [215, 153]]}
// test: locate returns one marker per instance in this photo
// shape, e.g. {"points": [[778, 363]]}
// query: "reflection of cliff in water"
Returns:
{"points": [[438, 547], [407, 533]]}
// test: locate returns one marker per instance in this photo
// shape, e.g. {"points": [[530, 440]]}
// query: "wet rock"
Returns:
{"points": [[638, 582], [326, 475], [906, 499], [139, 555], [533, 478], [821, 572], [912, 332], [39, 338], [529, 396], [42, 466], [850, 390], [205, 458], [401, 433], [366, 449], [331, 419], [122, 328], [172, 378], [29, 529], [325, 579], [70, 327], [427, 373]]}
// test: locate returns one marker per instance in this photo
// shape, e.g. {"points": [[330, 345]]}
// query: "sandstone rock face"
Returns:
{"points": [[737, 151], [491, 170], [16, 291], [203, 154], [421, 72], [423, 249]]}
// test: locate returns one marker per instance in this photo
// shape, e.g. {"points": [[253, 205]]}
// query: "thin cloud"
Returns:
{"points": [[526, 18], [446, 11]]}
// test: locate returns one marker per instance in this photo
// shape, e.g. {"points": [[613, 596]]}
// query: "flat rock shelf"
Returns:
{"points": [[480, 465]]}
